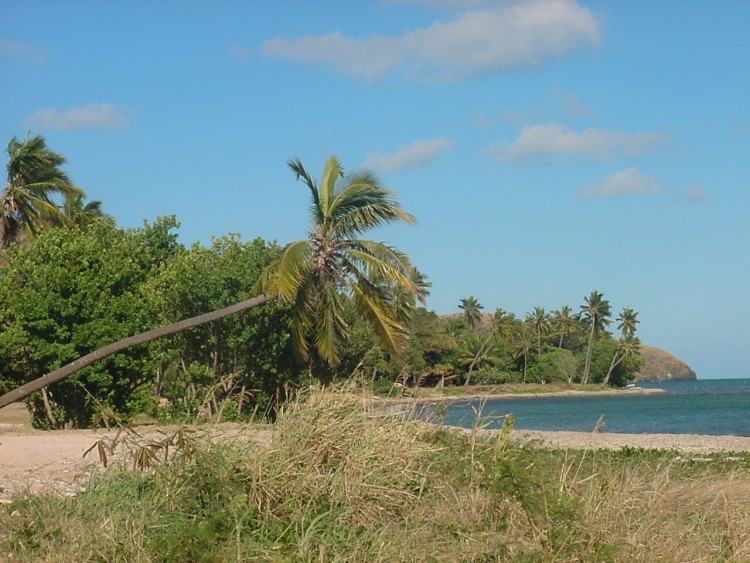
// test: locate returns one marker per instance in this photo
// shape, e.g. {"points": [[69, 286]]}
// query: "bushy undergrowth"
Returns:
{"points": [[336, 484]]}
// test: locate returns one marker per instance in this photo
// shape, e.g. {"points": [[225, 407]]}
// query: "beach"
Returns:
{"points": [[688, 443]]}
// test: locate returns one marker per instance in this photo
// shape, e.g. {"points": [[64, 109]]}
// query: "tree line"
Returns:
{"points": [[337, 306]]}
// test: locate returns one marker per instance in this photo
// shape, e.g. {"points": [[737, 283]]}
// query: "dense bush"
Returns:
{"points": [[69, 293], [75, 290]]}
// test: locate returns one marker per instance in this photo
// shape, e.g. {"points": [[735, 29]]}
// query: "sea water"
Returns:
{"points": [[710, 406]]}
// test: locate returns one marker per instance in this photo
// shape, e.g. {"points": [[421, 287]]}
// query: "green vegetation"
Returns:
{"points": [[347, 309], [334, 484]]}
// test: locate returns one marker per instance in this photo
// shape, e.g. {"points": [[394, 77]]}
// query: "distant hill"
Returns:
{"points": [[660, 365]]}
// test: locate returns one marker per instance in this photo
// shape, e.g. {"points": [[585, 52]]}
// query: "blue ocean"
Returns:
{"points": [[710, 406]]}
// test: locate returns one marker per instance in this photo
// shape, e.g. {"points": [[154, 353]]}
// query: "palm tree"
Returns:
{"points": [[472, 311], [502, 325], [34, 178], [596, 311], [540, 321], [628, 344], [628, 320], [316, 274], [563, 321], [80, 213], [627, 347], [476, 352], [525, 338], [313, 274], [455, 327]]}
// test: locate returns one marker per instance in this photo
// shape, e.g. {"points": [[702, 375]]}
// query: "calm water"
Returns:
{"points": [[711, 406]]}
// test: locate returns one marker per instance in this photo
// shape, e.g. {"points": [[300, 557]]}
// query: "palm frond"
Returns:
{"points": [[332, 171], [329, 326], [295, 164], [286, 273], [375, 306], [304, 310], [363, 205], [382, 261]]}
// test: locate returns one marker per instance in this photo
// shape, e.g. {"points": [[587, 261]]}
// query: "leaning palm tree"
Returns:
{"points": [[472, 311], [628, 347], [596, 312], [34, 178], [314, 274], [476, 352], [628, 344]]}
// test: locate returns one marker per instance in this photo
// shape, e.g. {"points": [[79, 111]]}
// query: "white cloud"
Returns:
{"points": [[480, 41], [415, 155], [239, 52], [23, 51], [573, 107], [92, 116], [559, 140], [696, 193], [626, 182]]}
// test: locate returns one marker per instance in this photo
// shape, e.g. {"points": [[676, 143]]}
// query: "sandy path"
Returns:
{"points": [[39, 461]]}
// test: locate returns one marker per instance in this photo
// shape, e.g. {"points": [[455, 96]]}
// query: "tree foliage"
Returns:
{"points": [[69, 292]]}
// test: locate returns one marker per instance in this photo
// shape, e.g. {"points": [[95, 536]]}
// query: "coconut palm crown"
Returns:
{"points": [[34, 177], [318, 274]]}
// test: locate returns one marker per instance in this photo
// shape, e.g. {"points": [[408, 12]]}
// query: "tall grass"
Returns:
{"points": [[337, 484]]}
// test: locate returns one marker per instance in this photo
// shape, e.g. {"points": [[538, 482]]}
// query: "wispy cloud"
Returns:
{"points": [[21, 51], [628, 182], [481, 41], [695, 194], [560, 140], [573, 107], [239, 52], [92, 116], [415, 155]]}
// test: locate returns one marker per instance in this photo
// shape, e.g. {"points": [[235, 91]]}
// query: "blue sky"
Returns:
{"points": [[547, 148]]}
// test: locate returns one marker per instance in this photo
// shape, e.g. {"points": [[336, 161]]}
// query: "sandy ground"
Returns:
{"points": [[38, 461]]}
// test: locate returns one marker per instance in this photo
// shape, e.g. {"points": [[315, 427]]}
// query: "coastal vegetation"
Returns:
{"points": [[337, 308], [331, 482]]}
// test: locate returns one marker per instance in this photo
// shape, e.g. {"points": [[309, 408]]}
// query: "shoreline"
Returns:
{"points": [[686, 443], [374, 400]]}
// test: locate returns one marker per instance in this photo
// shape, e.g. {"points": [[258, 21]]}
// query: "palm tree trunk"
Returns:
{"points": [[587, 365], [61, 373], [525, 364], [616, 359], [476, 359]]}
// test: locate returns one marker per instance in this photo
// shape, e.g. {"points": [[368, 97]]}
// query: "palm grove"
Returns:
{"points": [[89, 304]]}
